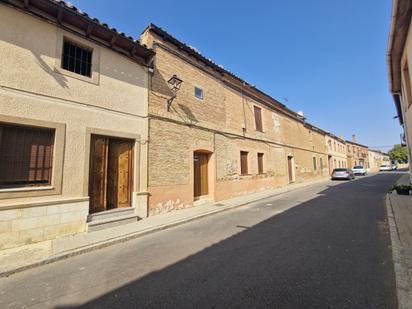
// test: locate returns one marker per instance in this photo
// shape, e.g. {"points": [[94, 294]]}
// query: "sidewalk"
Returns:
{"points": [[399, 209], [21, 258]]}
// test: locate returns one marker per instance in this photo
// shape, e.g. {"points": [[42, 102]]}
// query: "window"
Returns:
{"points": [[199, 93], [26, 156], [407, 81], [258, 118], [260, 163], [76, 59], [314, 163], [243, 163], [321, 163]]}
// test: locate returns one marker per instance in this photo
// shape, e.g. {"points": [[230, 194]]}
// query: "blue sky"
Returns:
{"points": [[328, 58]]}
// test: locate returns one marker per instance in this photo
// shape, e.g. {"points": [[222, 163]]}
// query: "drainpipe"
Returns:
{"points": [[244, 111], [243, 105]]}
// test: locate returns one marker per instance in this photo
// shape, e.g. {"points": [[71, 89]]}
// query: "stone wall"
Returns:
{"points": [[33, 223]]}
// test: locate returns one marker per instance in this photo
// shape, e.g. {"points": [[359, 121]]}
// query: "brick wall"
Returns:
{"points": [[223, 125]]}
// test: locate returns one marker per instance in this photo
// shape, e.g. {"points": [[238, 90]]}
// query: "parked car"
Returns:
{"points": [[342, 173], [385, 167], [359, 170]]}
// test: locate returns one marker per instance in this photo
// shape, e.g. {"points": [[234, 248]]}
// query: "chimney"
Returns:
{"points": [[354, 138]]}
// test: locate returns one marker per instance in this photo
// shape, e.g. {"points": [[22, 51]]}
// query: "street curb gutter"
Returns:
{"points": [[134, 235], [401, 271]]}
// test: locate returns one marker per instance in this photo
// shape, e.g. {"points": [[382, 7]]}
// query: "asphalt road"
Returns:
{"points": [[323, 246]]}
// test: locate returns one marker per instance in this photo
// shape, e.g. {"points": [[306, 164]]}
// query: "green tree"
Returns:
{"points": [[399, 153]]}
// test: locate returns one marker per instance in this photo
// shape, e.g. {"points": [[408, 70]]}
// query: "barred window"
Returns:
{"points": [[76, 59], [26, 156]]}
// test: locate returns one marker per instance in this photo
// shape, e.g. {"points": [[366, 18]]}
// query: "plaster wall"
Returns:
{"points": [[36, 91]]}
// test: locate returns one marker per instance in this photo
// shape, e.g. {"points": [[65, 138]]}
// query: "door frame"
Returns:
{"points": [[211, 176], [107, 141], [139, 185], [201, 183]]}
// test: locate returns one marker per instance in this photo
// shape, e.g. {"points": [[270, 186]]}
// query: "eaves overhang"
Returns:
{"points": [[68, 17], [400, 22], [228, 77]]}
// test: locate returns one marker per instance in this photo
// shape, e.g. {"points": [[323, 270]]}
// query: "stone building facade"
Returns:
{"points": [[336, 148], [357, 154], [220, 136], [376, 159], [73, 123]]}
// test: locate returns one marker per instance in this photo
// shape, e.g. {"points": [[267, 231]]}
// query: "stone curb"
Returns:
{"points": [[134, 235], [403, 290]]}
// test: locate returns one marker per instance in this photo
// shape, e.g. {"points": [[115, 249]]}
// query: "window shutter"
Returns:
{"points": [[258, 118], [260, 163], [26, 155], [243, 163]]}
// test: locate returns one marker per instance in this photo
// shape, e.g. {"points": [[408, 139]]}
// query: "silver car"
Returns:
{"points": [[359, 170], [342, 173], [385, 167]]}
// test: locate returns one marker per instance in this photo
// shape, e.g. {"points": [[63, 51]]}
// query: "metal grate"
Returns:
{"points": [[77, 59]]}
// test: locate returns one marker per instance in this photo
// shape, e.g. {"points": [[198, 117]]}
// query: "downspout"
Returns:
{"points": [[244, 111], [150, 72]]}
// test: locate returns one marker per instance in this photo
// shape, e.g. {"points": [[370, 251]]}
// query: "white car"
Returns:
{"points": [[385, 167], [359, 170]]}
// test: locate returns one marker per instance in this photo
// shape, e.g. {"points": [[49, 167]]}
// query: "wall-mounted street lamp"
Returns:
{"points": [[174, 84]]}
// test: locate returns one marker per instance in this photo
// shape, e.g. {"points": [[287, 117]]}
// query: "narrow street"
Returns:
{"points": [[331, 250]]}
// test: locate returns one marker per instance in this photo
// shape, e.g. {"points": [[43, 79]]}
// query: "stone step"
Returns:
{"points": [[99, 223], [118, 212]]}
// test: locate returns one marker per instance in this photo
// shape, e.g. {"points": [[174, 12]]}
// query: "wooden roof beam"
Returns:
{"points": [[60, 14], [89, 29]]}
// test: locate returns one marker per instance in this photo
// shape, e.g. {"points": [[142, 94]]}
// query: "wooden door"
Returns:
{"points": [[119, 175], [111, 173], [290, 169], [200, 163], [98, 174]]}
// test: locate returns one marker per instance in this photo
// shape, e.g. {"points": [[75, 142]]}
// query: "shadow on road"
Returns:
{"points": [[330, 252]]}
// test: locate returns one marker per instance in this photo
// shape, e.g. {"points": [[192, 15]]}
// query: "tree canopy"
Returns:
{"points": [[399, 153]]}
